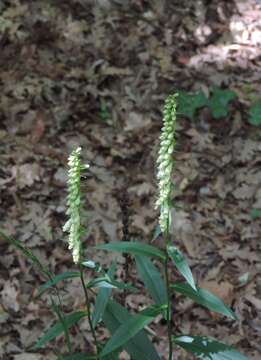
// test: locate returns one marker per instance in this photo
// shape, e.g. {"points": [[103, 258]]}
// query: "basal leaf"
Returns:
{"points": [[152, 279], [218, 102], [255, 114], [56, 279], [139, 347], [130, 328], [207, 349], [255, 213], [134, 248], [181, 263], [204, 298], [188, 104], [57, 329]]}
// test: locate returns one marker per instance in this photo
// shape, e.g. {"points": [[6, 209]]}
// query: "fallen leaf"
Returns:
{"points": [[38, 130], [9, 295], [26, 174]]}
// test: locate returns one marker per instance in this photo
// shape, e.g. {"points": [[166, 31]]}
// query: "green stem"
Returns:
{"points": [[61, 318], [88, 307], [167, 282], [60, 313]]}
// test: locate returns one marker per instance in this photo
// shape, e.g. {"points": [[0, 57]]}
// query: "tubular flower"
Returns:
{"points": [[165, 161], [73, 224]]}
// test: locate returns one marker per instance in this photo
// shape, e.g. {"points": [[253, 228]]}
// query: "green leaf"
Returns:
{"points": [[101, 282], [27, 253], [243, 279], [218, 103], [134, 248], [102, 299], [255, 114], [152, 279], [204, 298], [77, 356], [92, 265], [61, 317], [157, 232], [188, 104], [207, 349], [255, 213], [139, 347], [56, 279], [131, 327], [180, 262], [57, 329], [106, 282], [104, 111]]}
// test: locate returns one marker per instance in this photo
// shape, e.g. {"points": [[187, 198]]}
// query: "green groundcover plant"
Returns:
{"points": [[128, 331]]}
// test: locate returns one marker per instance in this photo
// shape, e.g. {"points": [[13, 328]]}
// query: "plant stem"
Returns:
{"points": [[166, 238], [88, 307], [60, 312], [61, 318]]}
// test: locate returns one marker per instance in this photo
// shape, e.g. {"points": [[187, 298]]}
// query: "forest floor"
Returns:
{"points": [[96, 75]]}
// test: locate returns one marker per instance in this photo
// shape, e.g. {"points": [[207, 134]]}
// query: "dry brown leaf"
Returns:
{"points": [[9, 295], [136, 121], [115, 71], [26, 174], [255, 301], [38, 129], [29, 356]]}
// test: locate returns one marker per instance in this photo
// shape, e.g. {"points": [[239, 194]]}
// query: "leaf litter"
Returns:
{"points": [[57, 62]]}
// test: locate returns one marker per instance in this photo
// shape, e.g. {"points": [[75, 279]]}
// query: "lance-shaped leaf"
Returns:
{"points": [[133, 248], [139, 346], [181, 263], [131, 327], [152, 279], [27, 253], [57, 329], [204, 298], [207, 349], [102, 298], [106, 282], [56, 279]]}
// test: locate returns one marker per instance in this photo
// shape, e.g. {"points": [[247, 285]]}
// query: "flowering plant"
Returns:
{"points": [[128, 330]]}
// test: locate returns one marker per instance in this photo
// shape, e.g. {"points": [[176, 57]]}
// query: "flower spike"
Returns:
{"points": [[73, 224], [165, 160]]}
